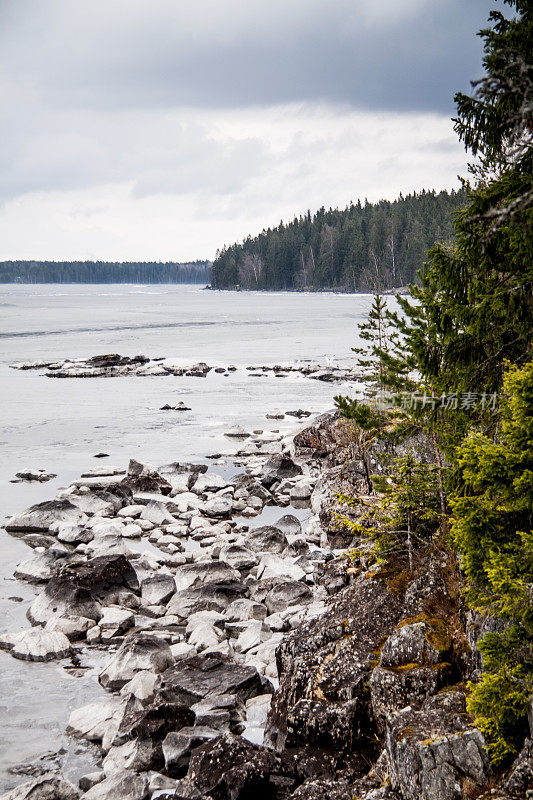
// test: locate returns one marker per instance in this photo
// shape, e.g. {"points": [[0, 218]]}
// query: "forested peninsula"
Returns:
{"points": [[104, 272], [366, 246]]}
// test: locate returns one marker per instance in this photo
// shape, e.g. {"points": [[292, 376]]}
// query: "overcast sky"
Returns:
{"points": [[163, 129]]}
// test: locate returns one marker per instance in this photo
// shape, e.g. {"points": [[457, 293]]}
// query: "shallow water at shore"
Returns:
{"points": [[59, 425]]}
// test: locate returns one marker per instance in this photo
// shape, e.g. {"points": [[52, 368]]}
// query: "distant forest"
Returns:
{"points": [[363, 247], [104, 272]]}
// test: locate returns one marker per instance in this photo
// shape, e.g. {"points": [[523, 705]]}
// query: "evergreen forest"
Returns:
{"points": [[365, 247], [103, 272]]}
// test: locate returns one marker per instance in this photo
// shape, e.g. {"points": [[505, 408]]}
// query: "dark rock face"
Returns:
{"points": [[318, 440], [398, 687], [146, 483], [324, 669], [520, 777], [432, 752], [201, 676], [115, 360], [325, 789], [230, 768]]}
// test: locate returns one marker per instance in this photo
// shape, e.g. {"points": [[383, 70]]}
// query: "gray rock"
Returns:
{"points": [[301, 491], [74, 628], [41, 517], [138, 652], [91, 721], [208, 675], [159, 782], [251, 636], [157, 589], [35, 475], [73, 534], [141, 686], [238, 557], [36, 644], [124, 785], [286, 594], [157, 513], [209, 482], [136, 755], [219, 507], [45, 787], [77, 588], [430, 751], [182, 650], [244, 609], [205, 636], [257, 709], [289, 525], [37, 569], [202, 572], [99, 505], [266, 539], [278, 468], [115, 621], [91, 779], [274, 566], [213, 596]]}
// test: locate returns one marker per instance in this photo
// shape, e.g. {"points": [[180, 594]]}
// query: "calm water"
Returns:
{"points": [[59, 425]]}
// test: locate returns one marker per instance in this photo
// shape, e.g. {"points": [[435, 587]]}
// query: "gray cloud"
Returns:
{"points": [[379, 54], [129, 124]]}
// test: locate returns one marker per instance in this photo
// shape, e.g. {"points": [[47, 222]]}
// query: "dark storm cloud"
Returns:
{"points": [[372, 55]]}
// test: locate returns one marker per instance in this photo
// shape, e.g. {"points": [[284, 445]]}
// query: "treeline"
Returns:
{"points": [[363, 247], [104, 272]]}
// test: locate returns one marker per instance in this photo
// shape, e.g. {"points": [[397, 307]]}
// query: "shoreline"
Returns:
{"points": [[254, 452], [251, 654]]}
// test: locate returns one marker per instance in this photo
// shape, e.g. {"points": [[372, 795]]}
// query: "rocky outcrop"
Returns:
{"points": [[325, 667]]}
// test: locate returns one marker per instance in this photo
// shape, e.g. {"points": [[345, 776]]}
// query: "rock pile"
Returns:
{"points": [[113, 366]]}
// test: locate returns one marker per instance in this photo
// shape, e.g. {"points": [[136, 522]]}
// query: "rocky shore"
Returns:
{"points": [[251, 655]]}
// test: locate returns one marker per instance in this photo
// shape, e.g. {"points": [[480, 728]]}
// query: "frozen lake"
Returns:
{"points": [[59, 425]]}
